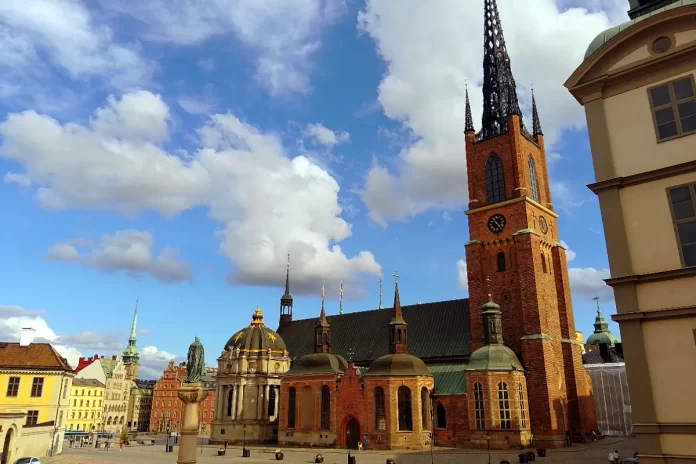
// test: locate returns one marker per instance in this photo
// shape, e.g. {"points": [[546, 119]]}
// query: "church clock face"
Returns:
{"points": [[543, 225], [496, 223]]}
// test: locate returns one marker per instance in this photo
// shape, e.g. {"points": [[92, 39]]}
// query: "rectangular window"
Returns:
{"points": [[32, 418], [13, 387], [37, 387], [673, 106], [683, 205]]}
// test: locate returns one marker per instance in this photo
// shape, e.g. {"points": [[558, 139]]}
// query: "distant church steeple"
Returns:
{"points": [[381, 306], [131, 357], [286, 301], [322, 330], [499, 88], [397, 326]]}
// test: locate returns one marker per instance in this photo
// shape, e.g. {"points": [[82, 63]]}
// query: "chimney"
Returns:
{"points": [[113, 357], [27, 336]]}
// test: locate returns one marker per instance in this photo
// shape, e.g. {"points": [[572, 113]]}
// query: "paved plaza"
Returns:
{"points": [[591, 453]]}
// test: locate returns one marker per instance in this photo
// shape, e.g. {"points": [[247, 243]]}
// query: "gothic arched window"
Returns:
{"points": [[533, 185], [380, 422], [495, 180], [479, 406], [425, 409], [523, 410], [271, 402], [441, 416], [325, 408], [292, 406], [404, 404], [504, 406], [501, 261]]}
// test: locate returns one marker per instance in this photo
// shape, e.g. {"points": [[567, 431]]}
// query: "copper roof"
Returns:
{"points": [[34, 356]]}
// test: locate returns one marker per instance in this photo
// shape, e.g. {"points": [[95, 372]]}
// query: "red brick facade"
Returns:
{"points": [[532, 287], [167, 408], [352, 407], [456, 431]]}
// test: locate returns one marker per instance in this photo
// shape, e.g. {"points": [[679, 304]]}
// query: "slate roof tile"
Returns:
{"points": [[435, 330]]}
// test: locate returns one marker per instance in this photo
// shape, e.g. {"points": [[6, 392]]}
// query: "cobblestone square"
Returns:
{"points": [[590, 453]]}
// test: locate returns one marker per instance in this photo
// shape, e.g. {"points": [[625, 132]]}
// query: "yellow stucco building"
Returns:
{"points": [[637, 84], [86, 405], [35, 384]]}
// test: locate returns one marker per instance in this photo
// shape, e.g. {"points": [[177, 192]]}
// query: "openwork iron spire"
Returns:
{"points": [[499, 88], [536, 124], [469, 125], [286, 299]]}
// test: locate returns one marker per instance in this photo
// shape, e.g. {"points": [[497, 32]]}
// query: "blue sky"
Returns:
{"points": [[174, 154]]}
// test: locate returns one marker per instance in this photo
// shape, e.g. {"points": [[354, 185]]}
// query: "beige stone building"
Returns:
{"points": [[248, 385], [113, 374], [637, 86]]}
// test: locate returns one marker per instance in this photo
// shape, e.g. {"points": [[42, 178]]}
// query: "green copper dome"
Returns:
{"points": [[398, 364], [601, 334], [494, 358], [606, 35], [318, 364]]}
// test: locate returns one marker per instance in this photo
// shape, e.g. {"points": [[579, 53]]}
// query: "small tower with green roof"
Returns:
{"points": [[601, 334]]}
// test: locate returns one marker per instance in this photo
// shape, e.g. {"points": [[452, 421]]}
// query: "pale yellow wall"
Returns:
{"points": [[670, 351], [634, 56], [633, 140], [678, 444], [684, 37], [674, 293], [650, 233], [86, 402]]}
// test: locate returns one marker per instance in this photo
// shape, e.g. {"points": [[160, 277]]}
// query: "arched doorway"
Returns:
{"points": [[352, 434], [7, 447]]}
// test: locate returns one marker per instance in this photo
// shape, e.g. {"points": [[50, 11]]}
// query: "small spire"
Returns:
{"points": [[600, 323], [398, 316], [536, 124], [340, 303], [135, 322], [419, 301], [322, 298], [287, 295], [322, 342], [469, 125], [381, 306]]}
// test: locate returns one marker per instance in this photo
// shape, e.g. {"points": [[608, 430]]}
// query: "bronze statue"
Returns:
{"points": [[195, 366]]}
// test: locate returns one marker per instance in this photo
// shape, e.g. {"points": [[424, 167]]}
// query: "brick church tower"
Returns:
{"points": [[514, 251]]}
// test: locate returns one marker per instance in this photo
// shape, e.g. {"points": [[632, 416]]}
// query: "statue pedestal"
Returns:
{"points": [[191, 394]]}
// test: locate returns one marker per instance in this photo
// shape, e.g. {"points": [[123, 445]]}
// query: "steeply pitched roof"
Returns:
{"points": [[34, 356], [108, 366], [450, 379], [435, 330], [78, 382]]}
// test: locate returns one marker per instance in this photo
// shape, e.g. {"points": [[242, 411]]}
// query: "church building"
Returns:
{"points": [[500, 368]]}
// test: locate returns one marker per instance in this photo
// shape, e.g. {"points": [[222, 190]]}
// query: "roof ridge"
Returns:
{"points": [[420, 306]]}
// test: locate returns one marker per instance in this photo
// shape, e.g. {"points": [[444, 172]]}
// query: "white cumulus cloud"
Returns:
{"points": [[462, 276], [268, 202], [322, 135], [126, 250], [283, 36], [430, 50]]}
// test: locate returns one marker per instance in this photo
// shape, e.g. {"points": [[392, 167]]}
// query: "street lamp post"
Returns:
{"points": [[488, 439], [244, 451], [348, 440]]}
